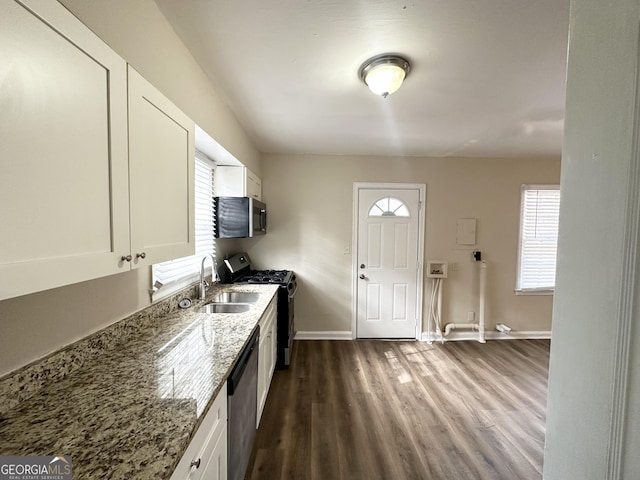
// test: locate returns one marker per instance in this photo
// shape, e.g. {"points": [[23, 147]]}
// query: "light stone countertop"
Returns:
{"points": [[131, 412]]}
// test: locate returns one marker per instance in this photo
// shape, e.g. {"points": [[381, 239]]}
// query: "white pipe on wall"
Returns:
{"points": [[435, 309], [481, 306], [482, 298], [453, 326], [439, 313]]}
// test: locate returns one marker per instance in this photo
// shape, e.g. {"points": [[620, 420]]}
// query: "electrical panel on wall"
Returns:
{"points": [[437, 269], [466, 231]]}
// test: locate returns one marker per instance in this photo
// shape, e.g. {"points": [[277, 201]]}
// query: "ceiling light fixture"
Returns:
{"points": [[384, 74]]}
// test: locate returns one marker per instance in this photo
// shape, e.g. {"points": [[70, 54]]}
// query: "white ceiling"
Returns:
{"points": [[487, 79]]}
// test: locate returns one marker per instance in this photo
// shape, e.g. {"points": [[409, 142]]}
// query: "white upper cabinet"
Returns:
{"points": [[237, 181], [67, 179], [161, 157], [253, 185], [64, 211]]}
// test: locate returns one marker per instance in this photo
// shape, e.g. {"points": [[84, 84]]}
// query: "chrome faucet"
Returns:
{"points": [[214, 274]]}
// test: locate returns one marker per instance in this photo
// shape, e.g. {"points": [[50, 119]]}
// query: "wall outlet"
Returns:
{"points": [[471, 316]]}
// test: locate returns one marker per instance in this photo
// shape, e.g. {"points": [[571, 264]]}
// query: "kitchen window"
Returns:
{"points": [[539, 214], [170, 277]]}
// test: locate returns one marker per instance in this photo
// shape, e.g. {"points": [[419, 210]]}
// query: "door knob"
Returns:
{"points": [[362, 276], [362, 265]]}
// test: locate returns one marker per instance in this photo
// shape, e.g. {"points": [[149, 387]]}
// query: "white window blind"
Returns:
{"points": [[169, 277], [539, 214]]}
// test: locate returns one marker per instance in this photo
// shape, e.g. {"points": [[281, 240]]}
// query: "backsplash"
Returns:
{"points": [[25, 382]]}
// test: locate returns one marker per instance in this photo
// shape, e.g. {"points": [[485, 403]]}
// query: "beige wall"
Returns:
{"points": [[310, 223], [35, 325]]}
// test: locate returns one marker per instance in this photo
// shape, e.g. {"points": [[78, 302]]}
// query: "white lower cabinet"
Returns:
{"points": [[206, 455], [216, 466], [267, 354]]}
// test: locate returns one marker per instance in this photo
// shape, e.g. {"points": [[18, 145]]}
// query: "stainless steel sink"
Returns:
{"points": [[224, 308], [236, 297]]}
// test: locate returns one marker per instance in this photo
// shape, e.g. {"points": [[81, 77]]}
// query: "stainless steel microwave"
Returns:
{"points": [[239, 217]]}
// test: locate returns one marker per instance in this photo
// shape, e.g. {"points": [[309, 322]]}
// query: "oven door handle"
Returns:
{"points": [[294, 292]]}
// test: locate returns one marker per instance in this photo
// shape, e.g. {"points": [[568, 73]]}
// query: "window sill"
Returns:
{"points": [[174, 287], [537, 291]]}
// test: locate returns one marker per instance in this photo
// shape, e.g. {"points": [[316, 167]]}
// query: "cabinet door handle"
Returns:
{"points": [[361, 276], [141, 255], [125, 258], [195, 463]]}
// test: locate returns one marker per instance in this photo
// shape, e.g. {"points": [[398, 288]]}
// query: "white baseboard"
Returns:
{"points": [[454, 336], [338, 335], [488, 335]]}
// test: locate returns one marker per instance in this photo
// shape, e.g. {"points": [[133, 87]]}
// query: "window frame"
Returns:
{"points": [[401, 210], [519, 290]]}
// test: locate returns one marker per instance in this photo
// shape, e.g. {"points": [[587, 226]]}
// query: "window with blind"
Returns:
{"points": [[169, 277], [539, 214]]}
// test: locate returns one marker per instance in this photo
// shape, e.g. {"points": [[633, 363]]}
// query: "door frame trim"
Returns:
{"points": [[422, 189]]}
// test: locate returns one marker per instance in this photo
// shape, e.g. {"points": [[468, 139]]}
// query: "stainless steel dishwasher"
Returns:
{"points": [[242, 391]]}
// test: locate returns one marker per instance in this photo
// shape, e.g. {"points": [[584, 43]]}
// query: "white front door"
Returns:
{"points": [[388, 262]]}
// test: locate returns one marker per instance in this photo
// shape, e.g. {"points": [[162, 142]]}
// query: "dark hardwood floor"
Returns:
{"points": [[390, 410]]}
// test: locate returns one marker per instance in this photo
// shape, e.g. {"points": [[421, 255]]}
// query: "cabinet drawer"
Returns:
{"points": [[205, 441]]}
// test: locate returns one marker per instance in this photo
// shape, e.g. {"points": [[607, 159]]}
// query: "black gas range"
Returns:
{"points": [[239, 271]]}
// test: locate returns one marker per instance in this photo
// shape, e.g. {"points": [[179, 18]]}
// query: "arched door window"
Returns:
{"points": [[389, 207]]}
